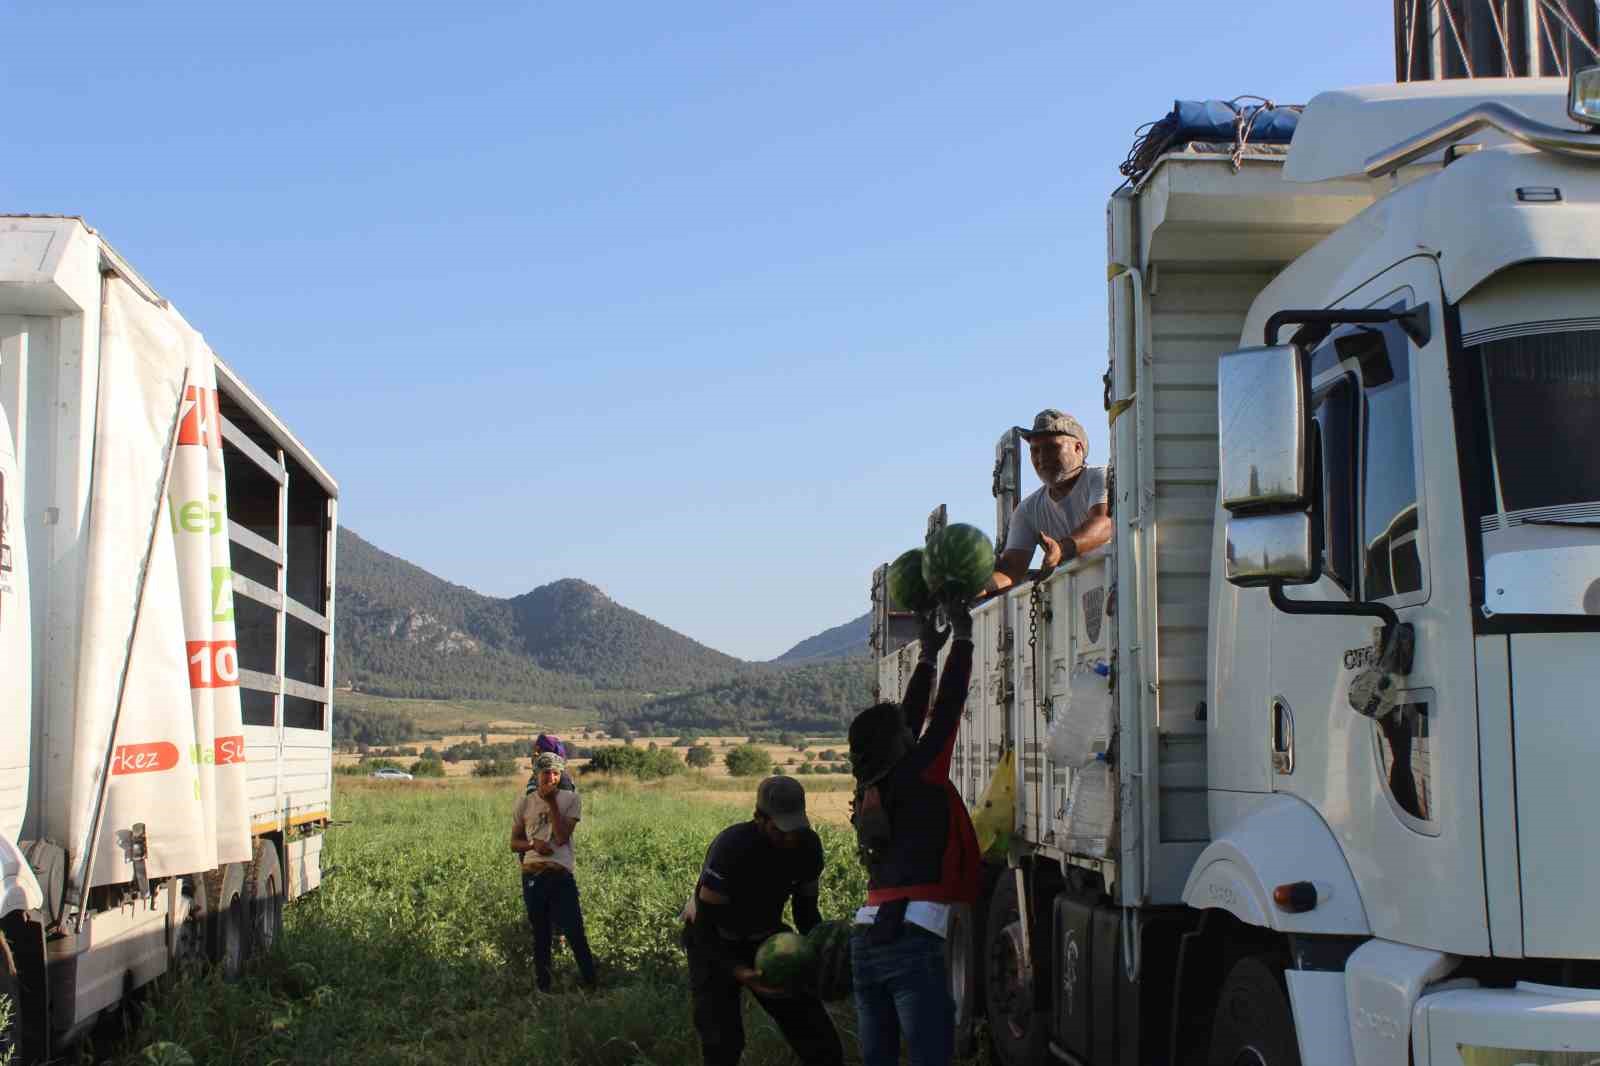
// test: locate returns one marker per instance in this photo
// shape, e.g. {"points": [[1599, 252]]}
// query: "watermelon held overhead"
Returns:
{"points": [[907, 590], [786, 960], [958, 562]]}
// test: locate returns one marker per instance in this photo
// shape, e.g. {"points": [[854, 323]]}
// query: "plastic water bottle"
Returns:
{"points": [[1083, 727], [1091, 809]]}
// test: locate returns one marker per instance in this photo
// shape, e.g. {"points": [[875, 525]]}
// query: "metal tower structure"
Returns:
{"points": [[1493, 38]]}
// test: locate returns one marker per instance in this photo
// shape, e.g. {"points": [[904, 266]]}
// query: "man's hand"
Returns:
{"points": [[747, 976], [541, 847], [1052, 551], [933, 637]]}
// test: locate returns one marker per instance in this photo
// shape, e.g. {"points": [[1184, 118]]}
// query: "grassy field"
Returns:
{"points": [[467, 716], [416, 949]]}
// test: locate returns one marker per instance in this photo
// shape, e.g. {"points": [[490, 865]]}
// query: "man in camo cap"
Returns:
{"points": [[1067, 514]]}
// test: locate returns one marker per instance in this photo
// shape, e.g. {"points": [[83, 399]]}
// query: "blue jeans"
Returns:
{"points": [[552, 902], [902, 987]]}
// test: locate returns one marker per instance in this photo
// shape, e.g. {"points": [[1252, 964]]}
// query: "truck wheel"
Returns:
{"points": [[191, 947], [264, 890], [1018, 1021], [961, 963], [11, 993], [1253, 1025], [230, 919], [24, 1037]]}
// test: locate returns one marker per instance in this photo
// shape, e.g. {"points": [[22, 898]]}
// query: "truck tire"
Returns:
{"points": [[1015, 1002], [1253, 1025], [962, 948], [230, 921], [192, 944], [26, 1033], [11, 1043], [264, 890]]}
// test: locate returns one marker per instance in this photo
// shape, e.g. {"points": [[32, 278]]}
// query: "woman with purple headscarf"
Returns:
{"points": [[549, 742]]}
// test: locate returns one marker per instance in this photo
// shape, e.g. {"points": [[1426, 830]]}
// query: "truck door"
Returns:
{"points": [[1400, 793]]}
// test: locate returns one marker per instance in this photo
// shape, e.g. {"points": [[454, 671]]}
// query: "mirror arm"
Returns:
{"points": [[1369, 608], [1414, 320]]}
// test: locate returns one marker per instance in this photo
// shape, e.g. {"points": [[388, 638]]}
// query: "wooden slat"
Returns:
{"points": [[255, 590], [255, 542], [305, 614], [314, 693], [259, 682], [252, 451]]}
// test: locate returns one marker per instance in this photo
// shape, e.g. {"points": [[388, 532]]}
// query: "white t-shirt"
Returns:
{"points": [[534, 814], [1041, 514], [934, 917]]}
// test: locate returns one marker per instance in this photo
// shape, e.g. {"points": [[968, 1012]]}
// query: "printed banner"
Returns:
{"points": [[176, 764]]}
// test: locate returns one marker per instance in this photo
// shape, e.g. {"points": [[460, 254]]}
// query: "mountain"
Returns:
{"points": [[841, 642], [405, 632], [573, 627]]}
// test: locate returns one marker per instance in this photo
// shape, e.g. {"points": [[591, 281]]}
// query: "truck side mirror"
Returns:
{"points": [[1265, 548], [1263, 430], [1264, 445]]}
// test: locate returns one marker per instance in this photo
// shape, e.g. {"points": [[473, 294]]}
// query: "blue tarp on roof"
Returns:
{"points": [[1218, 120], [1209, 120]]}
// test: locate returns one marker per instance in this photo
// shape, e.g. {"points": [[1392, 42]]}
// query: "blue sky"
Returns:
{"points": [[706, 303]]}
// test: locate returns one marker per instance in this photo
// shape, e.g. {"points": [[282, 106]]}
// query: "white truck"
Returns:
{"points": [[1349, 618], [166, 642]]}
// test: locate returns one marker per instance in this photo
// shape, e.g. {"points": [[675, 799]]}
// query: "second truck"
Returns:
{"points": [[1344, 645]]}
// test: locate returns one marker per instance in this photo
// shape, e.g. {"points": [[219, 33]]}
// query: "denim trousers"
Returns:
{"points": [[552, 903], [902, 989]]}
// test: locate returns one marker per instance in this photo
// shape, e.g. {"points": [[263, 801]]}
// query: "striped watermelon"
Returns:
{"points": [[958, 562], [907, 590], [786, 960], [831, 942]]}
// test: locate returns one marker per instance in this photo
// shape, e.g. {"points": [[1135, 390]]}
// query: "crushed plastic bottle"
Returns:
{"points": [[1092, 809]]}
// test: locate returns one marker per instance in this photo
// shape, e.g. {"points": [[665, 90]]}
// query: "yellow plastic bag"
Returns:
{"points": [[995, 818]]}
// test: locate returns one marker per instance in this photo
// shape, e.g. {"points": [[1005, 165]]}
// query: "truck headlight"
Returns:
{"points": [[1583, 95]]}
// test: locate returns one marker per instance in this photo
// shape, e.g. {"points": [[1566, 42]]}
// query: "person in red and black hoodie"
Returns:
{"points": [[921, 855]]}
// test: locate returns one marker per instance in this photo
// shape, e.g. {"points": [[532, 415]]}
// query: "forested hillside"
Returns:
{"points": [[406, 633], [820, 697], [840, 642]]}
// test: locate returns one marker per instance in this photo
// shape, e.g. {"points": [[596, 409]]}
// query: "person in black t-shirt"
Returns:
{"points": [[751, 870]]}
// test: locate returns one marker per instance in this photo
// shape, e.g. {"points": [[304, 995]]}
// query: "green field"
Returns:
{"points": [[416, 949], [466, 716]]}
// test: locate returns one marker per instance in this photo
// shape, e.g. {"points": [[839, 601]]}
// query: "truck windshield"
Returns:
{"points": [[1534, 480], [1542, 392]]}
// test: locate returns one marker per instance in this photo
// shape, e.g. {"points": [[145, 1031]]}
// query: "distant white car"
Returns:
{"points": [[390, 775]]}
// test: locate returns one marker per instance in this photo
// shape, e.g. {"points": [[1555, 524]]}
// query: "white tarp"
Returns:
{"points": [[16, 654], [158, 661]]}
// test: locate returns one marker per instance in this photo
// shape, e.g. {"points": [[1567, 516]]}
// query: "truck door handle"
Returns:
{"points": [[1282, 737]]}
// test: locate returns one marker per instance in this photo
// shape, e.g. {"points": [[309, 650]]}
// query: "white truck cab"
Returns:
{"points": [[1351, 613]]}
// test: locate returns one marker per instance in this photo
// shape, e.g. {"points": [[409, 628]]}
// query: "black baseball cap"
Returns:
{"points": [[783, 799]]}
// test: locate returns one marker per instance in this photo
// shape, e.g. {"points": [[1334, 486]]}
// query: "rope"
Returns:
{"points": [[1561, 11], [1242, 126], [1549, 39], [1505, 45], [1450, 16]]}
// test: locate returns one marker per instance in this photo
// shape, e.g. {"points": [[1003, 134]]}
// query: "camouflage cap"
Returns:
{"points": [[1051, 422], [549, 760]]}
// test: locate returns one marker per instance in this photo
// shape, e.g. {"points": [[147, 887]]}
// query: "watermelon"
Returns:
{"points": [[166, 1053], [907, 590], [958, 562], [831, 941], [786, 960]]}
